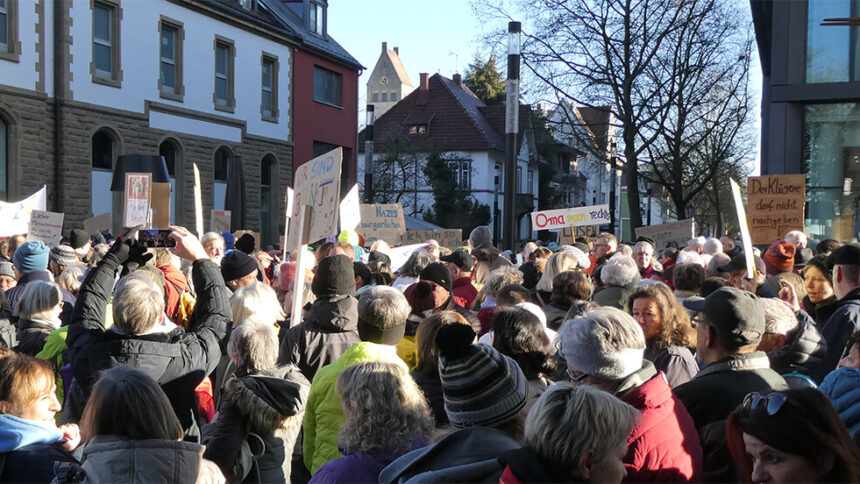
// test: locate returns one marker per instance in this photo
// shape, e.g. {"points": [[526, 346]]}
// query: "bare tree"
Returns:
{"points": [[398, 173], [654, 63]]}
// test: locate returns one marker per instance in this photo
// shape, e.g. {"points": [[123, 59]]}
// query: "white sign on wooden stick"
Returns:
{"points": [[350, 210], [317, 185], [198, 202], [745, 231], [46, 226]]}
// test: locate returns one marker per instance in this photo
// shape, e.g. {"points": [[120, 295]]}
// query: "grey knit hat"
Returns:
{"points": [[64, 255], [6, 269], [607, 343], [481, 387]]}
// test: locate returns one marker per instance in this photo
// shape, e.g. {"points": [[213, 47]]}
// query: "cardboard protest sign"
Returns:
{"points": [[160, 205], [382, 221], [15, 216], [219, 221], [399, 255], [745, 231], [46, 226], [350, 210], [450, 238], [198, 202], [570, 217], [679, 232], [136, 199], [288, 202], [775, 206], [316, 185], [98, 223]]}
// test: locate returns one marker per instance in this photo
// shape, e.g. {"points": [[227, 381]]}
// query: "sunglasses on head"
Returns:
{"points": [[772, 401], [576, 378]]}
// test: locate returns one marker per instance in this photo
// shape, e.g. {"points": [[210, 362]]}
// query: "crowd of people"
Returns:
{"points": [[598, 361]]}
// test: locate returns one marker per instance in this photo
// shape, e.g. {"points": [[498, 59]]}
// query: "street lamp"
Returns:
{"points": [[512, 111]]}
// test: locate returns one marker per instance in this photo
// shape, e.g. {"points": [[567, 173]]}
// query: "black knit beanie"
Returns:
{"points": [[334, 277], [246, 243], [237, 265], [438, 273]]}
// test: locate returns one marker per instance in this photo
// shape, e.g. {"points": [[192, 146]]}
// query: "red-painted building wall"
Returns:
{"points": [[319, 122]]}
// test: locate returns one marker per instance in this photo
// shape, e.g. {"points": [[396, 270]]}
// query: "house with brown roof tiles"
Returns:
{"points": [[442, 116]]}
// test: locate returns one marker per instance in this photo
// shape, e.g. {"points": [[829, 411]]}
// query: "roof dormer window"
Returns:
{"points": [[248, 4], [316, 17]]}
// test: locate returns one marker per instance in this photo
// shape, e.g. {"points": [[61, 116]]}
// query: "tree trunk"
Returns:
{"points": [[631, 168]]}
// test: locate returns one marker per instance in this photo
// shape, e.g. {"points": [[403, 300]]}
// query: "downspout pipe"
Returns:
{"points": [[59, 96]]}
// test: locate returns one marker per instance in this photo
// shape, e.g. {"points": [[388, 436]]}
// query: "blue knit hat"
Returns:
{"points": [[31, 257]]}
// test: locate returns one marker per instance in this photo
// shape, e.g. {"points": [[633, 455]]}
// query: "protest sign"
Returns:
{"points": [[399, 255], [98, 223], [745, 231], [219, 221], [316, 185], [288, 202], [350, 211], [160, 205], [679, 232], [15, 216], [138, 190], [382, 221], [198, 202], [570, 217], [450, 238], [46, 226], [775, 206]]}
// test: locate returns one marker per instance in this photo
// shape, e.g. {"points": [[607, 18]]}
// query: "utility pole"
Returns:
{"points": [[512, 112], [368, 156], [612, 171]]}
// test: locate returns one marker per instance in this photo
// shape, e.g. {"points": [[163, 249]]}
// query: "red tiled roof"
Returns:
{"points": [[457, 120]]}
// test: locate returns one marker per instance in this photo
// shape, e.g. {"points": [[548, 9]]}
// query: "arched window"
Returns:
{"points": [[267, 166], [4, 159], [171, 151], [103, 147], [222, 158]]}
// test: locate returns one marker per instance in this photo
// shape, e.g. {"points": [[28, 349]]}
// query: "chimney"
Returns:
{"points": [[458, 81], [384, 47], [397, 50], [424, 83]]}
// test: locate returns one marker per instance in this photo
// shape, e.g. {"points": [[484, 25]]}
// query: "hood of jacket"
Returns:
{"points": [[529, 466], [487, 254], [269, 397], [820, 312], [842, 387], [803, 352], [337, 314], [16, 433], [112, 459]]}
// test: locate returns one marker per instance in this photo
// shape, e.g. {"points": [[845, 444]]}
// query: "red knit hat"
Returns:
{"points": [[780, 257]]}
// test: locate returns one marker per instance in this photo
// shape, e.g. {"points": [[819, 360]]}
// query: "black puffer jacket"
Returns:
{"points": [[268, 403], [178, 360], [326, 331], [820, 312], [803, 351], [32, 335]]}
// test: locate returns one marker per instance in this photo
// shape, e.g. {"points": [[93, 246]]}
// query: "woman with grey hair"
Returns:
{"points": [[606, 349], [386, 416], [413, 266], [38, 312], [262, 406], [620, 275], [573, 434]]}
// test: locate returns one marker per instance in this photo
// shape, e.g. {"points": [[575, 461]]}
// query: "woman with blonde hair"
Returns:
{"points": [[38, 312], [258, 300], [557, 263], [386, 416], [669, 333]]}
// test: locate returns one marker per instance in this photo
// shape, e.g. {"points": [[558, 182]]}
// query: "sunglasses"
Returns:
{"points": [[772, 401], [576, 378]]}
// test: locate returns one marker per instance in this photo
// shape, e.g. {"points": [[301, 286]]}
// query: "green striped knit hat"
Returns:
{"points": [[482, 387]]}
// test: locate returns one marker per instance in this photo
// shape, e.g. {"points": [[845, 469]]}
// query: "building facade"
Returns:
{"points": [[443, 117], [388, 82], [811, 106]]}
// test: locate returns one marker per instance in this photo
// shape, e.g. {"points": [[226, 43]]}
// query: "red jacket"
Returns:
{"points": [[464, 292], [175, 285], [664, 445]]}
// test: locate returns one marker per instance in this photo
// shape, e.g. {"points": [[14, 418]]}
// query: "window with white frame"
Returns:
{"points": [[224, 52], [269, 87], [103, 40], [316, 14], [170, 59], [4, 25], [462, 170]]}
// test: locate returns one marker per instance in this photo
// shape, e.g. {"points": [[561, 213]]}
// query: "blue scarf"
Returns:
{"points": [[16, 433]]}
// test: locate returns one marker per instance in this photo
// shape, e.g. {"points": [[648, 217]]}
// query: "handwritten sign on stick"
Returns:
{"points": [[46, 226], [382, 221], [450, 238], [138, 192], [775, 206], [219, 221], [97, 223], [680, 232], [317, 185]]}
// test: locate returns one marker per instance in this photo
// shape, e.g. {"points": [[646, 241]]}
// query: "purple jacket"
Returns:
{"points": [[359, 467]]}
